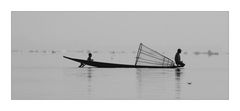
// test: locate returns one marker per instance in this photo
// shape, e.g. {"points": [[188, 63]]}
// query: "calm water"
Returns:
{"points": [[49, 76]]}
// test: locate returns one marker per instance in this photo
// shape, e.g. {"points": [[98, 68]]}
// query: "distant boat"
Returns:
{"points": [[209, 53], [146, 58]]}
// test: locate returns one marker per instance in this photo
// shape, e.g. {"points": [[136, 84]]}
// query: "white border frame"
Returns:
{"points": [[121, 5]]}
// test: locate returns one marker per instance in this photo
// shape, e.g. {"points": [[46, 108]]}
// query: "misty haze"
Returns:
{"points": [[41, 39]]}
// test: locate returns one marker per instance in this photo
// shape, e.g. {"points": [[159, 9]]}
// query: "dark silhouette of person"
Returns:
{"points": [[88, 59], [178, 58]]}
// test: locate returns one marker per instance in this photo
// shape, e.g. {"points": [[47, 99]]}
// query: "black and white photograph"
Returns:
{"points": [[119, 55]]}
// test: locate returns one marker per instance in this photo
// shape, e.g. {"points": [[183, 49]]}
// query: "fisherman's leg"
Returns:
{"points": [[182, 64], [81, 65], [178, 63]]}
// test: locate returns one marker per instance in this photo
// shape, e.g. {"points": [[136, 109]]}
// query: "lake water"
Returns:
{"points": [[46, 76]]}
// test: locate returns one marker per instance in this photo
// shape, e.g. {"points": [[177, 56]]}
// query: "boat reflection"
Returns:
{"points": [[139, 83], [178, 73], [89, 76], [167, 82], [83, 76]]}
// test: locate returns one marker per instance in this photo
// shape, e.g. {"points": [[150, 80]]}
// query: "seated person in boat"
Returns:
{"points": [[88, 59], [178, 58]]}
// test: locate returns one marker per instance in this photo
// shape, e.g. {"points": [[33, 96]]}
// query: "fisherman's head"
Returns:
{"points": [[179, 51], [90, 54]]}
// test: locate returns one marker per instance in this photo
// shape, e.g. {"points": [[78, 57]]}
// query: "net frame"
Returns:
{"points": [[165, 61]]}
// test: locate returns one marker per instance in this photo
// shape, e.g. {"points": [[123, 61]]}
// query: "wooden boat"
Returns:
{"points": [[113, 65], [154, 60]]}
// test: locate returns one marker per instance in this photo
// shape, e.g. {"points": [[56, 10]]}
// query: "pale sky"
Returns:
{"points": [[120, 30]]}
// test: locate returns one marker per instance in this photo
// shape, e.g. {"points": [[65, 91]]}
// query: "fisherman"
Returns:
{"points": [[178, 58], [88, 59]]}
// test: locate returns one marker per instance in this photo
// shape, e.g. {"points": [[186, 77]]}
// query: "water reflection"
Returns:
{"points": [[139, 83], [166, 82], [178, 74], [89, 72], [89, 75], [150, 83], [83, 76]]}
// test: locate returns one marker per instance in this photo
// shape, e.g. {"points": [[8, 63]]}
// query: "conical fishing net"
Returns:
{"points": [[148, 57]]}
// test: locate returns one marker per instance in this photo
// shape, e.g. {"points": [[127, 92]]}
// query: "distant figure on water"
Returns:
{"points": [[178, 58], [88, 59]]}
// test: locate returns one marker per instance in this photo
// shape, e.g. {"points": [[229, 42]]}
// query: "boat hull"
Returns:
{"points": [[113, 65]]}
